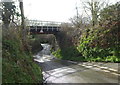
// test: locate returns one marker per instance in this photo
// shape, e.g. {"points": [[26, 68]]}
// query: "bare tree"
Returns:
{"points": [[94, 6], [79, 21]]}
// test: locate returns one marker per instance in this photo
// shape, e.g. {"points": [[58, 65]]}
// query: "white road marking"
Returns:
{"points": [[104, 67], [115, 74], [105, 70], [113, 69], [97, 67]]}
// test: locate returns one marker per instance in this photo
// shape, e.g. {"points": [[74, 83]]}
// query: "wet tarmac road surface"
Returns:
{"points": [[63, 71]]}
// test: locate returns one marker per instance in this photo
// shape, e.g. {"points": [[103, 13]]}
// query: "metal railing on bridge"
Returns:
{"points": [[37, 26], [43, 23]]}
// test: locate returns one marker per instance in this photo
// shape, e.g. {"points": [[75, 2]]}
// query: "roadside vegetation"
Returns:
{"points": [[95, 42], [18, 65], [17, 61], [35, 44]]}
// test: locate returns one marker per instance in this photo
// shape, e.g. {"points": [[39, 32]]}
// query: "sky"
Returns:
{"points": [[53, 10]]}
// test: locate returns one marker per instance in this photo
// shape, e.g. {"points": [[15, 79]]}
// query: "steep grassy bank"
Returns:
{"points": [[17, 62]]}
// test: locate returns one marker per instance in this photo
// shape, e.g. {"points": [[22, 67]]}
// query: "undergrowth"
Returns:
{"points": [[17, 62], [98, 43]]}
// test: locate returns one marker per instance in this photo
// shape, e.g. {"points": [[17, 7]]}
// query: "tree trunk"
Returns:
{"points": [[22, 19]]}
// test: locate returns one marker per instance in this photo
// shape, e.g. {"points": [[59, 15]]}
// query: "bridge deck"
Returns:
{"points": [[43, 27]]}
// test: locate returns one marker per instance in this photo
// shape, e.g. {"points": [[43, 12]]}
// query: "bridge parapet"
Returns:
{"points": [[43, 23], [43, 27]]}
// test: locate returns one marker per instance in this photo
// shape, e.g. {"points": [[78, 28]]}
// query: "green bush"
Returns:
{"points": [[70, 53], [57, 54], [18, 67], [17, 64], [97, 45], [35, 46]]}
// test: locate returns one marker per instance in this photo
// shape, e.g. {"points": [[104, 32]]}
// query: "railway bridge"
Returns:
{"points": [[44, 27]]}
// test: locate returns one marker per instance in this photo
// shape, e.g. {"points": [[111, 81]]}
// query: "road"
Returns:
{"points": [[63, 71]]}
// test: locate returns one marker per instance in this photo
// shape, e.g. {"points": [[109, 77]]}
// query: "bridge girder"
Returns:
{"points": [[43, 27]]}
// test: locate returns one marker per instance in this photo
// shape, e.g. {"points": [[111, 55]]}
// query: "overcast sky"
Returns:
{"points": [[53, 10]]}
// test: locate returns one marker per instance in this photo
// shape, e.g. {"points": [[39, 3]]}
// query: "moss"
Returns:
{"points": [[18, 66]]}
